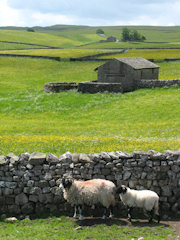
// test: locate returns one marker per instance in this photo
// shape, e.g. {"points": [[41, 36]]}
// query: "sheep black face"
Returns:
{"points": [[121, 189], [66, 183]]}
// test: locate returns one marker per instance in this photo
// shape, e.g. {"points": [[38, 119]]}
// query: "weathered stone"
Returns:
{"points": [[66, 157], [33, 198], [75, 157], [46, 190], [2, 160], [166, 191], [2, 184], [94, 157], [21, 199], [45, 198], [48, 176], [29, 166], [11, 185], [11, 219], [105, 156], [113, 155], [7, 191], [141, 163], [2, 200], [56, 191], [157, 155], [14, 209], [141, 155], [175, 207], [30, 183], [83, 158], [127, 175], [37, 158], [24, 157], [172, 155], [175, 168], [106, 171], [52, 159], [28, 208], [12, 158], [124, 155], [109, 165]]}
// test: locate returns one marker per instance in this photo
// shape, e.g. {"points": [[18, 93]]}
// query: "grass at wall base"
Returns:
{"points": [[55, 226]]}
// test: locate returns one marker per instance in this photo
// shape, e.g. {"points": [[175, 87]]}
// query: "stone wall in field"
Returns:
{"points": [[158, 83], [29, 183]]}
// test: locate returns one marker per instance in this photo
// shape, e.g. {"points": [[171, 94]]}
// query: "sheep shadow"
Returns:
{"points": [[89, 222], [120, 222]]}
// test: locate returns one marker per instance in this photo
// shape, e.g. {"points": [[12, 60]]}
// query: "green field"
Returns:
{"points": [[65, 228], [32, 120]]}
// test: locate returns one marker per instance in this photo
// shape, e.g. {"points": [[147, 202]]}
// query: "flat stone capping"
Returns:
{"points": [[59, 86], [95, 87]]}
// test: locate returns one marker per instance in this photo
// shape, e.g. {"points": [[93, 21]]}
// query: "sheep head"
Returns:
{"points": [[122, 189], [66, 183]]}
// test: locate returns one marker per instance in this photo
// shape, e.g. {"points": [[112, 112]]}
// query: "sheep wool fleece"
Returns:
{"points": [[91, 192], [140, 198]]}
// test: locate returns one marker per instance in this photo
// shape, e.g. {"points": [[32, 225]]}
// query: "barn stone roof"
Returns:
{"points": [[135, 62]]}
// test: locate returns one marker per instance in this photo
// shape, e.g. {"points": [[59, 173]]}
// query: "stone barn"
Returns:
{"points": [[127, 71], [111, 39]]}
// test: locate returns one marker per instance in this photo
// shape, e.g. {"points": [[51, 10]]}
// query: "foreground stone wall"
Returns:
{"points": [[29, 183]]}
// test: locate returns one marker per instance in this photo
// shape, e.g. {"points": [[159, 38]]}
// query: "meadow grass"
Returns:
{"points": [[67, 228], [131, 45], [36, 38], [10, 46], [156, 54], [70, 121], [62, 53]]}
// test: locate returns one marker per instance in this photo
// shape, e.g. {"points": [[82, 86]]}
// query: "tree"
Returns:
{"points": [[131, 35], [125, 34], [30, 30], [99, 31]]}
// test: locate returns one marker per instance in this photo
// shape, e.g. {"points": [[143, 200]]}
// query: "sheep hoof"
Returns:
{"points": [[129, 219]]}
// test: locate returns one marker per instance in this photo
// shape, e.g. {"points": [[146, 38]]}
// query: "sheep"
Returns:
{"points": [[146, 199], [90, 192]]}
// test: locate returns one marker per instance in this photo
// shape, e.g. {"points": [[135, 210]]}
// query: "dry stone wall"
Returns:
{"points": [[29, 183]]}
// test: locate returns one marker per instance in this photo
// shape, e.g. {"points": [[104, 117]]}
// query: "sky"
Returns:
{"points": [[30, 13]]}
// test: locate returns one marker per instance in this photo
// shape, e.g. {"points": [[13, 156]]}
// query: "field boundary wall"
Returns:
{"points": [[29, 183]]}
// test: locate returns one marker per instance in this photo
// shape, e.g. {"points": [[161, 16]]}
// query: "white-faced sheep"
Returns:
{"points": [[146, 199], [90, 192]]}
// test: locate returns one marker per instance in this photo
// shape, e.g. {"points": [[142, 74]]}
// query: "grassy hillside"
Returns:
{"points": [[79, 35]]}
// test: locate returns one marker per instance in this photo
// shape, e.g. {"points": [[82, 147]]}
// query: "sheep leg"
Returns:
{"points": [[80, 212], [129, 213], [151, 216], [111, 212], [75, 212], [104, 215], [158, 217]]}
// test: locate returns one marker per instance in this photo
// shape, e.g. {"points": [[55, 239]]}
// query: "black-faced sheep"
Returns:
{"points": [[146, 199], [90, 192]]}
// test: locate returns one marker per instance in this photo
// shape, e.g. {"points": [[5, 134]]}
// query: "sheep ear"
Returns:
{"points": [[124, 189]]}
